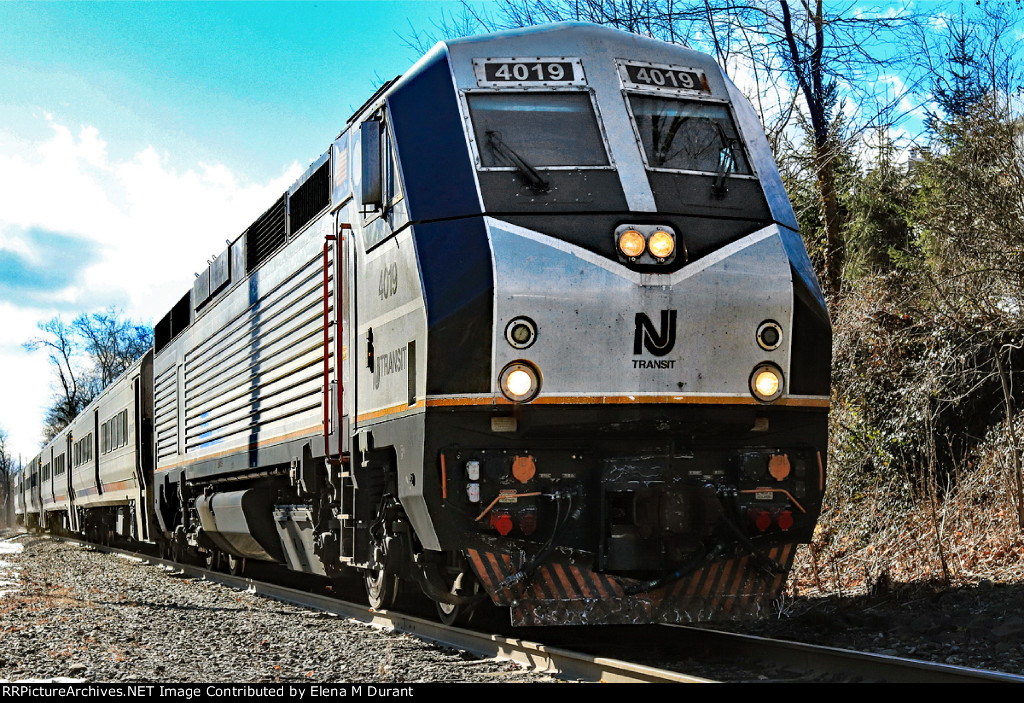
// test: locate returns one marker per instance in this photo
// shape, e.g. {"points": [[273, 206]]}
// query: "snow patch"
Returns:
{"points": [[9, 547]]}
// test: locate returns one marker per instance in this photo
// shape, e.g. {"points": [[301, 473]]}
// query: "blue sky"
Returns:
{"points": [[136, 137], [250, 85]]}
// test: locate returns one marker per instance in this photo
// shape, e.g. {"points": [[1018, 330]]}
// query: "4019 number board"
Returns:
{"points": [[680, 79], [538, 71]]}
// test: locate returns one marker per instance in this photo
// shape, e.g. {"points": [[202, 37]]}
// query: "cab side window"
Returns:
{"points": [[380, 190]]}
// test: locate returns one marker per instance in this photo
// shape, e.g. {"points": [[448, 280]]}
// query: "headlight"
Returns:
{"points": [[766, 383], [519, 382], [631, 243], [647, 245], [661, 244]]}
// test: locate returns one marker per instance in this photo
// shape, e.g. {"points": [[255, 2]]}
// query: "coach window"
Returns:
{"points": [[687, 135], [539, 130]]}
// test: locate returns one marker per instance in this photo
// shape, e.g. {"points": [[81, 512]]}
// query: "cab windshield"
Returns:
{"points": [[686, 135], [536, 130]]}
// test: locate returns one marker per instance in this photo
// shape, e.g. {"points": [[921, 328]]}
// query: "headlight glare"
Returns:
{"points": [[519, 381], [631, 243], [766, 383], [661, 244]]}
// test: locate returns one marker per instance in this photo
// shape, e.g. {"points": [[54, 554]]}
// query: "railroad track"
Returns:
{"points": [[734, 657], [564, 663], [610, 654]]}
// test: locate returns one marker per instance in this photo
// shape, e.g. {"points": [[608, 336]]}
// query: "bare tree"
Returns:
{"points": [[113, 341], [87, 356], [824, 58], [75, 390], [6, 475]]}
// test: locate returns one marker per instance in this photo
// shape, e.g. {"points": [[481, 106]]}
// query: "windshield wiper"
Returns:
{"points": [[532, 175], [726, 163]]}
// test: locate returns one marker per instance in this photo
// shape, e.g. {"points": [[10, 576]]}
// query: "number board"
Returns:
{"points": [[528, 72], [663, 77]]}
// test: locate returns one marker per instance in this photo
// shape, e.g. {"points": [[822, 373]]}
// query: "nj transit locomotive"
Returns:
{"points": [[538, 329]]}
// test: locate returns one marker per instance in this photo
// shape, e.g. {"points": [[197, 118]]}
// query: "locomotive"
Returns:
{"points": [[537, 330]]}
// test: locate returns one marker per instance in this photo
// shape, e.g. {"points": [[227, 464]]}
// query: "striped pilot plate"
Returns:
{"points": [[565, 592]]}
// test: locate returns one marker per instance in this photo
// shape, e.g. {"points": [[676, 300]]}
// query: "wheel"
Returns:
{"points": [[381, 579], [450, 614], [214, 559], [381, 587], [236, 565]]}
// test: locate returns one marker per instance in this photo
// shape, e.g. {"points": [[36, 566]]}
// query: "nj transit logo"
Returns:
{"points": [[658, 343]]}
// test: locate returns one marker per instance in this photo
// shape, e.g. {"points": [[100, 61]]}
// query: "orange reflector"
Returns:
{"points": [[502, 522], [778, 466], [523, 468]]}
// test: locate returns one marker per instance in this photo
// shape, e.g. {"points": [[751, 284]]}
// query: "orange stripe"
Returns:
{"points": [[734, 587], [444, 479], [695, 580], [546, 573], [394, 409], [116, 486], [742, 577], [715, 597], [625, 400], [712, 576], [481, 570], [564, 580], [723, 582], [601, 592], [500, 573], [315, 430], [580, 581], [614, 586], [535, 585]]}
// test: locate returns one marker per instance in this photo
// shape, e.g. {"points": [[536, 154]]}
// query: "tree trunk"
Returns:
{"points": [[1011, 423]]}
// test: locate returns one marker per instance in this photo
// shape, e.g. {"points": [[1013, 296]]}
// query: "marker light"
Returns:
{"points": [[769, 335], [631, 243], [766, 383], [785, 520], [521, 332], [661, 244], [519, 382], [763, 520]]}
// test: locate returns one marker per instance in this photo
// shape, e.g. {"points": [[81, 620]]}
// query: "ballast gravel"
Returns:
{"points": [[67, 611]]}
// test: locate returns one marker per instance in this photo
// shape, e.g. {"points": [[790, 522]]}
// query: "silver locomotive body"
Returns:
{"points": [[538, 329]]}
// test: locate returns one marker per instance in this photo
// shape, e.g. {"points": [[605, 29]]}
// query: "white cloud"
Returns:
{"points": [[144, 227]]}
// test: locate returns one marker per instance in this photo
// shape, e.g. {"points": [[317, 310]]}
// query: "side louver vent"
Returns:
{"points": [[311, 197], [265, 235], [162, 333], [173, 323]]}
